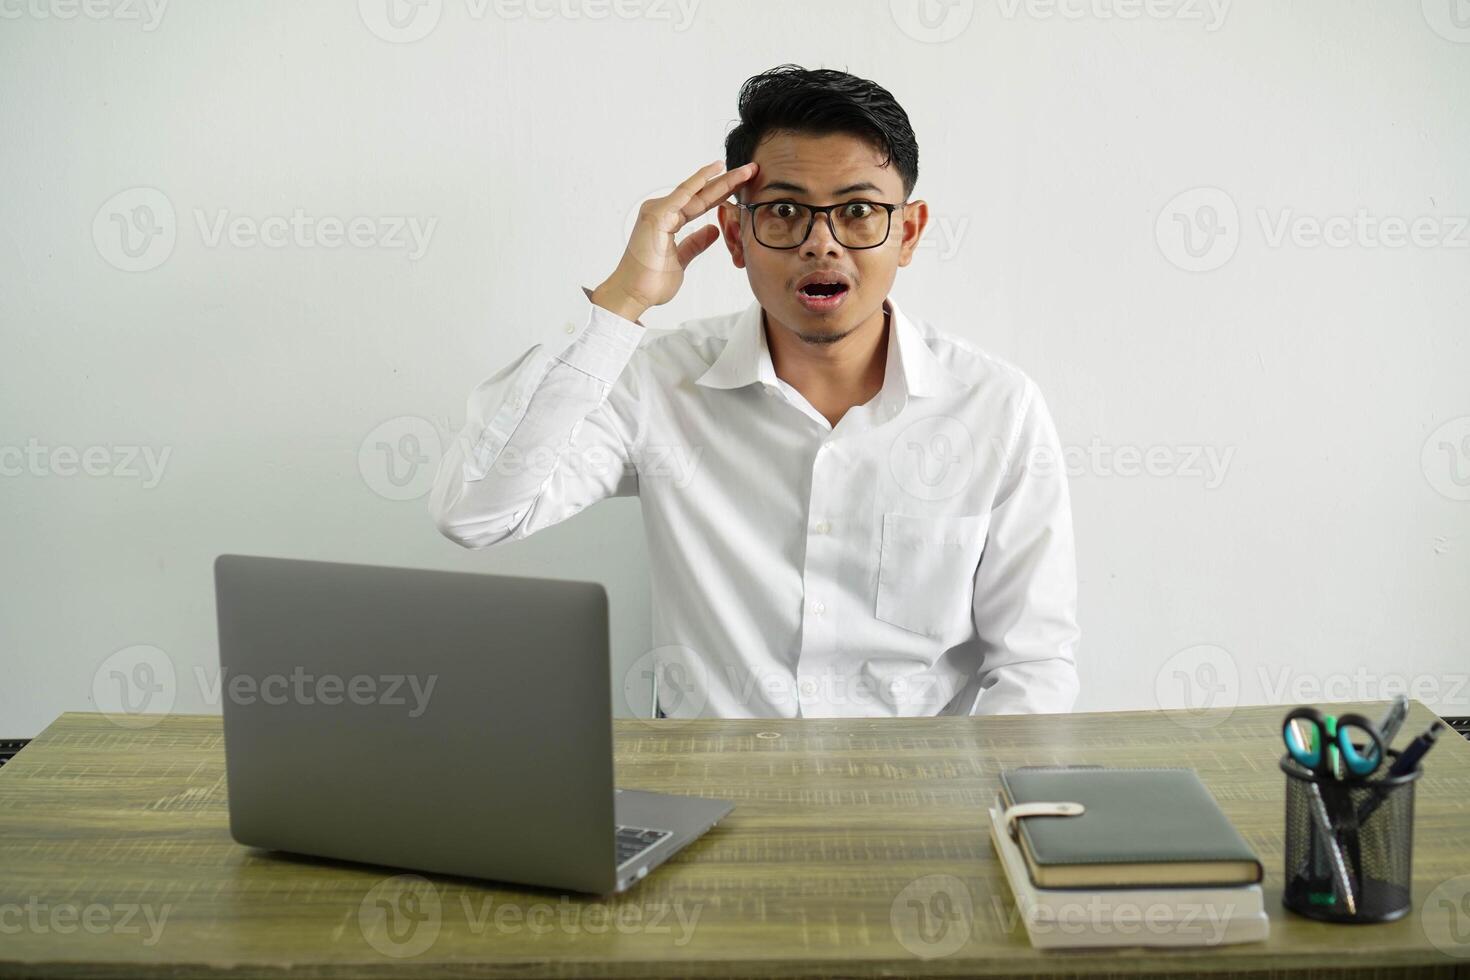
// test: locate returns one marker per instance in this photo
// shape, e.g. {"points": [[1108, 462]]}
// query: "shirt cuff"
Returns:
{"points": [[604, 344]]}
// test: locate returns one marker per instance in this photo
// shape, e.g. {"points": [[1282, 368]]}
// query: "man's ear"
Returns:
{"points": [[729, 218], [915, 216]]}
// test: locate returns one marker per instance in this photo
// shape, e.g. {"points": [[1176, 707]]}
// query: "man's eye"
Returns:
{"points": [[783, 210], [859, 209]]}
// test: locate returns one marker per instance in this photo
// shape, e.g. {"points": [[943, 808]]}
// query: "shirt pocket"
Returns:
{"points": [[926, 571]]}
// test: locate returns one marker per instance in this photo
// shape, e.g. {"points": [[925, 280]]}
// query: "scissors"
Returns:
{"points": [[1326, 744]]}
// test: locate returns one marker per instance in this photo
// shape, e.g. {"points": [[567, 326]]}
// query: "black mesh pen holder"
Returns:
{"points": [[1359, 870]]}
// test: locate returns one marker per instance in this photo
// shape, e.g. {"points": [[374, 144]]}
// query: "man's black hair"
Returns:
{"points": [[820, 102]]}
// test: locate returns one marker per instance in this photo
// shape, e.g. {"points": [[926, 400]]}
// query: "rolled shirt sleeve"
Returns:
{"points": [[544, 437]]}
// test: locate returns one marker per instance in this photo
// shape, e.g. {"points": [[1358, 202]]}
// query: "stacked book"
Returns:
{"points": [[1142, 857]]}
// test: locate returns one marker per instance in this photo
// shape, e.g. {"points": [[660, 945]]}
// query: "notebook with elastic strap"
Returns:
{"points": [[1137, 827]]}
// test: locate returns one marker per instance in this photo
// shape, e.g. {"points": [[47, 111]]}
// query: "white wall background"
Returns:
{"points": [[1322, 556]]}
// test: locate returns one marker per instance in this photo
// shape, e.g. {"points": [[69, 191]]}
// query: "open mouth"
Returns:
{"points": [[820, 297]]}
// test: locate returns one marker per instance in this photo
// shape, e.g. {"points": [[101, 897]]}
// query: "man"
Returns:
{"points": [[849, 513]]}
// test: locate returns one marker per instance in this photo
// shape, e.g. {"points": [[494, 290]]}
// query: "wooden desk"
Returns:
{"points": [[807, 877]]}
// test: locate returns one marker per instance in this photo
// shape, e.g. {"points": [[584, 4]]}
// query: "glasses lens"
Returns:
{"points": [[860, 224], [783, 224]]}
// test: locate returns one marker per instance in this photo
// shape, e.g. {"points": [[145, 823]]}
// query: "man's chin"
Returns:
{"points": [[822, 338], [817, 328]]}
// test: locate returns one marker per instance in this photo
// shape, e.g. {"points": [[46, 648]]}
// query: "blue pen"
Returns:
{"points": [[1408, 760], [1406, 763]]}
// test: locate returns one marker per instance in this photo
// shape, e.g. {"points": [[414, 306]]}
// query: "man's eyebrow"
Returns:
{"points": [[783, 185]]}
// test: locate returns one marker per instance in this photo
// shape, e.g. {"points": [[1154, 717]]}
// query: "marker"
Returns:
{"points": [[1408, 759]]}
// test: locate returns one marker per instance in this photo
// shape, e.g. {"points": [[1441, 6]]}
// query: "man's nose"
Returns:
{"points": [[821, 239]]}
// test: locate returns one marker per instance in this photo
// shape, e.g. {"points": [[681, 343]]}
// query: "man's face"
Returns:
{"points": [[821, 170]]}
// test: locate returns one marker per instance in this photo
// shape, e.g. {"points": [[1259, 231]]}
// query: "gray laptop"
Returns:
{"points": [[434, 721]]}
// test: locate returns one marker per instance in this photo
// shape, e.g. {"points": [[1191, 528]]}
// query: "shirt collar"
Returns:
{"points": [[746, 358]]}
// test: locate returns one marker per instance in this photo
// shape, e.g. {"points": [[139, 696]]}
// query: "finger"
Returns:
{"points": [[691, 198], [665, 211], [717, 190], [696, 243], [693, 182]]}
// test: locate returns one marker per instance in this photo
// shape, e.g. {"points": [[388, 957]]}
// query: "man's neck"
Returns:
{"points": [[833, 377]]}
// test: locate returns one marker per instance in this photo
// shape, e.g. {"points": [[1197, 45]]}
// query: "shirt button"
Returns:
{"points": [[818, 608], [822, 528], [515, 403], [569, 328]]}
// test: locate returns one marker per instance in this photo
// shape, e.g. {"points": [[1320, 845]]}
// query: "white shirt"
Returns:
{"points": [[915, 559]]}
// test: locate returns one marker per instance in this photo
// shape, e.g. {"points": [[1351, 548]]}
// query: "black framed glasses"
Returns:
{"points": [[854, 224]]}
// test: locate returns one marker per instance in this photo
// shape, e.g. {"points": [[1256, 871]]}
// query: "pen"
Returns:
{"points": [[1394, 719], [1408, 760], [1406, 763], [1341, 879]]}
